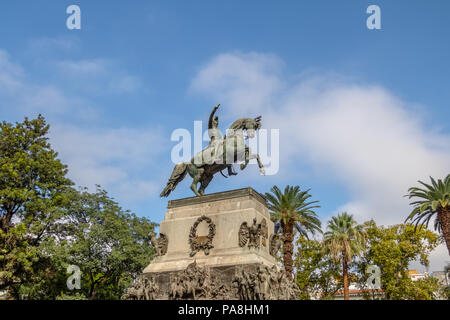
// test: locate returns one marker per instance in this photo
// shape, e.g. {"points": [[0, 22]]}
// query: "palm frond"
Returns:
{"points": [[291, 206], [430, 199], [344, 238]]}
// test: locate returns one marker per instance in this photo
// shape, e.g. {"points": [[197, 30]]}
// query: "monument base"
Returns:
{"points": [[218, 246], [254, 281]]}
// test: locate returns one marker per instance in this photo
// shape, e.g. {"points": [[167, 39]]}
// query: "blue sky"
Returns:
{"points": [[362, 113]]}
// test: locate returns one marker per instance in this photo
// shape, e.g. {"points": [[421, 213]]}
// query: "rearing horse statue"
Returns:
{"points": [[218, 156]]}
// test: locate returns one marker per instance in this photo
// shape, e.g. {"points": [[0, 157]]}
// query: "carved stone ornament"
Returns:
{"points": [[189, 283], [250, 235], [260, 283], [246, 282], [144, 288], [274, 245], [264, 232], [204, 243], [265, 283], [160, 244]]}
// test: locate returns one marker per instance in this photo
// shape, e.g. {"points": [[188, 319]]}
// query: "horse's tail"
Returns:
{"points": [[178, 174]]}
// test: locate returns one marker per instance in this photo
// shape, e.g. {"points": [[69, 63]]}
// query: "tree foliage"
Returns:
{"points": [[344, 240], [33, 185], [393, 249], [47, 225], [110, 245], [32, 179], [318, 276]]}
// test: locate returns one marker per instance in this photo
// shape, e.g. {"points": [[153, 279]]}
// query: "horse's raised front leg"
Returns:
{"points": [[260, 165], [246, 158], [249, 157], [230, 170]]}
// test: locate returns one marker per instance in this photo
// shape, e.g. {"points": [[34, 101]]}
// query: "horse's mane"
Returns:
{"points": [[240, 123]]}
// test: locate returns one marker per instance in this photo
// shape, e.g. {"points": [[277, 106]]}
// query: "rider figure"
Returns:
{"points": [[215, 136], [213, 123]]}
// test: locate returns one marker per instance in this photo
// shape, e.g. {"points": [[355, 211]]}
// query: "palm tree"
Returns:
{"points": [[290, 211], [343, 240], [435, 200]]}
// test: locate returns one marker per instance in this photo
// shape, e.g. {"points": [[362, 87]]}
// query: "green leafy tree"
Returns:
{"points": [[18, 260], [32, 180], [291, 211], [423, 289], [110, 245], [344, 240], [435, 200], [46, 225], [444, 292], [316, 272], [33, 185], [76, 296], [393, 249]]}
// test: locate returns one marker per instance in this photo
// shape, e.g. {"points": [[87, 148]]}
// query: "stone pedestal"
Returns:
{"points": [[227, 211], [217, 246]]}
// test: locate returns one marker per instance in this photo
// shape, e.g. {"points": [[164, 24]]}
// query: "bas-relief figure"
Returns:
{"points": [[189, 283], [143, 289], [160, 244], [264, 284], [220, 154], [264, 232], [274, 244], [196, 282], [251, 235]]}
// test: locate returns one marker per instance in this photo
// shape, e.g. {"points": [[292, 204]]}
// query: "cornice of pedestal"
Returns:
{"points": [[224, 195]]}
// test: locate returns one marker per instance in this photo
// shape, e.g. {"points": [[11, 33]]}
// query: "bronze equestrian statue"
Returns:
{"points": [[220, 154]]}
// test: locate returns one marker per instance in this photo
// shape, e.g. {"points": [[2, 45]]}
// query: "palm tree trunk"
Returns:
{"points": [[345, 275], [288, 248], [444, 220]]}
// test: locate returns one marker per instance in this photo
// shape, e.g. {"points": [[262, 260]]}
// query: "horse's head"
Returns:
{"points": [[248, 124]]}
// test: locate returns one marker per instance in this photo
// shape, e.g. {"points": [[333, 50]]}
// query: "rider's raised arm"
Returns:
{"points": [[211, 117]]}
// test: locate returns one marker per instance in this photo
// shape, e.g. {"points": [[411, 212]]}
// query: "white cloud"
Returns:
{"points": [[92, 67], [371, 142], [46, 45], [367, 139], [137, 190], [116, 158], [17, 94], [125, 84], [11, 74], [99, 76], [250, 80], [113, 158], [21, 96]]}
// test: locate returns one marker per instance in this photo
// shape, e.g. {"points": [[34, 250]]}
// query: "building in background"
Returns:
{"points": [[442, 276], [415, 275], [359, 294]]}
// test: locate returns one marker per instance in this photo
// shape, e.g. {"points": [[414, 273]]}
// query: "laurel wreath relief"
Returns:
{"points": [[204, 243]]}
